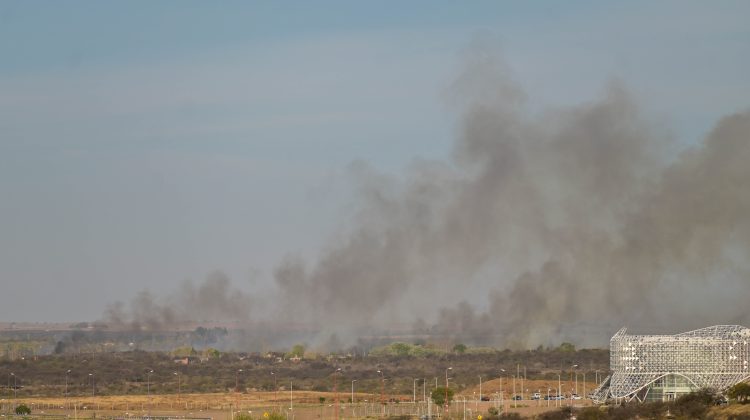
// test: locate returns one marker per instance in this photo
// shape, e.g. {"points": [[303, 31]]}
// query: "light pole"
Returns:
{"points": [[15, 387], [559, 390], [236, 390], [336, 392], [446, 388], [584, 384], [502, 391], [66, 387], [515, 401], [480, 387], [148, 388], [414, 391], [179, 385], [275, 388], [572, 369], [353, 381], [382, 388], [91, 375], [237, 380]]}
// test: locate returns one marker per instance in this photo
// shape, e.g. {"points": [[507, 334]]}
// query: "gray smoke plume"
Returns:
{"points": [[212, 300], [559, 225], [544, 226]]}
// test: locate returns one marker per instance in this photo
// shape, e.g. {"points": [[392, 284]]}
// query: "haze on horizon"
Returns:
{"points": [[569, 168]]}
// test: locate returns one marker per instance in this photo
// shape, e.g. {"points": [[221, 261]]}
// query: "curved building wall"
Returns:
{"points": [[668, 365]]}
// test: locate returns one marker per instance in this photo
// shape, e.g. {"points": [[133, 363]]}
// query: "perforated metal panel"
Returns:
{"points": [[713, 357]]}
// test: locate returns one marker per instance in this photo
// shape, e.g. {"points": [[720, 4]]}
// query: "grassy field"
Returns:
{"points": [[305, 404]]}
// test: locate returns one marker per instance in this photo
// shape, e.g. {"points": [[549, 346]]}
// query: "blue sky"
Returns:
{"points": [[143, 143]]}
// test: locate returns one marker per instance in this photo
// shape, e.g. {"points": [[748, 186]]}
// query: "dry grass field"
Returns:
{"points": [[307, 405]]}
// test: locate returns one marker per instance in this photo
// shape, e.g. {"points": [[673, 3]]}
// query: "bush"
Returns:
{"points": [[694, 405], [438, 396], [23, 410], [740, 392], [561, 414], [591, 413]]}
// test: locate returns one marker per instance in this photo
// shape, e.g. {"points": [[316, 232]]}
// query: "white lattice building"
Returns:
{"points": [[662, 367]]}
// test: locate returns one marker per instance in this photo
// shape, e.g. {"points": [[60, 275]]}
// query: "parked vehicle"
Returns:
{"points": [[536, 396], [517, 398], [575, 397]]}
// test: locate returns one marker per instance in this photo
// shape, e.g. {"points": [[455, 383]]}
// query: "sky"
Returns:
{"points": [[145, 143]]}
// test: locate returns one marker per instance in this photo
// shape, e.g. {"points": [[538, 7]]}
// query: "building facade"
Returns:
{"points": [[663, 367]]}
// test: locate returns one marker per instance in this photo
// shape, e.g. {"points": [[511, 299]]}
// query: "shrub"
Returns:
{"points": [[23, 410]]}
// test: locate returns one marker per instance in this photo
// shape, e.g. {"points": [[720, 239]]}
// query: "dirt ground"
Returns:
{"points": [[302, 405]]}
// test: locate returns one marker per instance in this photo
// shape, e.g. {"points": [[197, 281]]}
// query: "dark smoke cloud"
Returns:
{"points": [[563, 224], [544, 226], [212, 300]]}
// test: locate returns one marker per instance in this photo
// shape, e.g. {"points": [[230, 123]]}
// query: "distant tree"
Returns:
{"points": [[297, 350], [740, 392], [212, 353], [438, 396], [567, 347], [60, 347], [459, 348], [184, 351], [400, 349], [321, 400], [23, 410]]}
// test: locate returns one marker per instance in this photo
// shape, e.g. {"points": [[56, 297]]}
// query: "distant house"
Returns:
{"points": [[181, 360]]}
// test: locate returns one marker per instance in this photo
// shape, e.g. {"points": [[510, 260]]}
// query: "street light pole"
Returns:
{"points": [[414, 391], [353, 381], [572, 369], [336, 392], [382, 388], [480, 387], [584, 384], [446, 388], [559, 390], [148, 388], [66, 387], [275, 388], [15, 387], [502, 391], [237, 380], [179, 386], [92, 385]]}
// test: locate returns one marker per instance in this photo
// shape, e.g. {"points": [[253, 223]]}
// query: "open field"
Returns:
{"points": [[304, 404]]}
